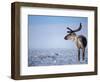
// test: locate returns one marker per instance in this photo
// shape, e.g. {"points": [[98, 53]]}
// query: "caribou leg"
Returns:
{"points": [[83, 52], [78, 54]]}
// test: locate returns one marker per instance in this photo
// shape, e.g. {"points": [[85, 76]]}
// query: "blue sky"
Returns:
{"points": [[49, 31]]}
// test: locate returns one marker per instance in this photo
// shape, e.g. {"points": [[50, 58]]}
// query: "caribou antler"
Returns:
{"points": [[71, 31], [78, 28]]}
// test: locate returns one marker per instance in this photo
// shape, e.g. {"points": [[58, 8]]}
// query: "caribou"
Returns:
{"points": [[80, 40]]}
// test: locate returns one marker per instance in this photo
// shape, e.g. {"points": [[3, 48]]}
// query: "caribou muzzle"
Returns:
{"points": [[65, 38]]}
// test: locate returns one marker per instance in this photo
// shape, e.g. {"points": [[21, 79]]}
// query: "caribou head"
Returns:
{"points": [[71, 33]]}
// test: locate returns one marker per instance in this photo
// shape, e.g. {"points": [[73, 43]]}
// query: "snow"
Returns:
{"points": [[47, 57]]}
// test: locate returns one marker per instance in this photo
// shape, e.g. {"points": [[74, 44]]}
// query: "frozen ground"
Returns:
{"points": [[47, 57]]}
